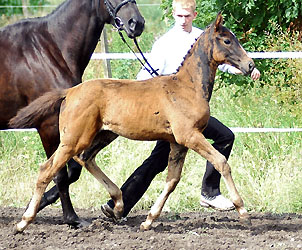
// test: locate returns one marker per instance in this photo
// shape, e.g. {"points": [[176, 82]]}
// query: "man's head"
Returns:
{"points": [[184, 12]]}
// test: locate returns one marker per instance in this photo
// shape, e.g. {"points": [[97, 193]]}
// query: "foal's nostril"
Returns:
{"points": [[251, 66]]}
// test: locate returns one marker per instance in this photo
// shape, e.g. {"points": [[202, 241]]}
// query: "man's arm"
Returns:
{"points": [[255, 75]]}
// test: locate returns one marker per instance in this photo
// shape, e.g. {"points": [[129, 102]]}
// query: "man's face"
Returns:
{"points": [[184, 18]]}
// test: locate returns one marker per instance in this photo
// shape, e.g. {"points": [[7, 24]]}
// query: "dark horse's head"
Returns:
{"points": [[125, 16], [227, 49]]}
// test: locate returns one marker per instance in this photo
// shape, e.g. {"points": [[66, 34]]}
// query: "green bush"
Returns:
{"points": [[9, 11]]}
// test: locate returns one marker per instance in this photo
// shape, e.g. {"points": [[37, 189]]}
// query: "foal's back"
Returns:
{"points": [[143, 109]]}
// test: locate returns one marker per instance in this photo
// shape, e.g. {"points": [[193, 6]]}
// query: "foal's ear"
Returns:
{"points": [[218, 21]]}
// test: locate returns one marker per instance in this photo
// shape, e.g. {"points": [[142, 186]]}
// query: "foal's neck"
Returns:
{"points": [[199, 67]]}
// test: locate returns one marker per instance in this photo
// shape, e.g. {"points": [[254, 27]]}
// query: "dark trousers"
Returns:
{"points": [[137, 184]]}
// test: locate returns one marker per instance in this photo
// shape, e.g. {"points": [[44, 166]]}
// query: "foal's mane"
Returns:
{"points": [[189, 53]]}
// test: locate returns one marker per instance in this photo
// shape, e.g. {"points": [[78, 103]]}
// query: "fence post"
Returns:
{"points": [[104, 49], [24, 8]]}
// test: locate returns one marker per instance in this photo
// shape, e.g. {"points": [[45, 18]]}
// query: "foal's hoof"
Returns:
{"points": [[111, 213], [246, 220], [19, 228], [16, 231], [144, 227]]}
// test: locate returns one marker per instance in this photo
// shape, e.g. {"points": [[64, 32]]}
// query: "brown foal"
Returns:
{"points": [[173, 108]]}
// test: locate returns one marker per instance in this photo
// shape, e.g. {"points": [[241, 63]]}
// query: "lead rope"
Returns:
{"points": [[151, 70], [118, 24]]}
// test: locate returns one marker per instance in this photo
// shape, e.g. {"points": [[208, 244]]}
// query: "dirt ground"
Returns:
{"points": [[202, 230]]}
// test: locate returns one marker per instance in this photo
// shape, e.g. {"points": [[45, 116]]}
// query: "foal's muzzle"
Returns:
{"points": [[247, 68]]}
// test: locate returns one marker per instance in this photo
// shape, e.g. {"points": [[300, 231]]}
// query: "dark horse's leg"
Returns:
{"points": [[52, 195], [61, 190], [49, 134]]}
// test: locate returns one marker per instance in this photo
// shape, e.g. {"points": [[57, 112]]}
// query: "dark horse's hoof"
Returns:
{"points": [[78, 223], [109, 212]]}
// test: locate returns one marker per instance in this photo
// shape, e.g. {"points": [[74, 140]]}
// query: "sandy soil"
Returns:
{"points": [[202, 230]]}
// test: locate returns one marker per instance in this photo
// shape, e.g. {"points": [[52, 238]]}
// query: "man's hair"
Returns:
{"points": [[187, 4]]}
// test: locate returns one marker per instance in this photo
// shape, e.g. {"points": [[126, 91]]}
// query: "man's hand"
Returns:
{"points": [[255, 75]]}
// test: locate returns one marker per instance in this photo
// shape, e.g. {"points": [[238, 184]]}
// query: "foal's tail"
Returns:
{"points": [[38, 110]]}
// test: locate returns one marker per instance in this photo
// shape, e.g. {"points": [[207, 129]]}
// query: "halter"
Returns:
{"points": [[119, 24], [150, 70], [113, 11]]}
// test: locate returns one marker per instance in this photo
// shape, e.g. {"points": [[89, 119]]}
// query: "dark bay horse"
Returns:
{"points": [[52, 52], [173, 108]]}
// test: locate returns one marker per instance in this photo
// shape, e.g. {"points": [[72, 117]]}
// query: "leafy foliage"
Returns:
{"points": [[249, 19], [257, 15], [11, 10]]}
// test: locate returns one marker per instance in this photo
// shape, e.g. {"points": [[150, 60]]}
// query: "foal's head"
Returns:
{"points": [[227, 49], [125, 16]]}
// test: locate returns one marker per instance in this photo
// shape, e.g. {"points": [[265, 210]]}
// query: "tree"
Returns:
{"points": [[248, 19], [11, 10], [254, 17], [259, 25]]}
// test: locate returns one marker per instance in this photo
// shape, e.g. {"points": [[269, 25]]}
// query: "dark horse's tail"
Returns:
{"points": [[33, 114]]}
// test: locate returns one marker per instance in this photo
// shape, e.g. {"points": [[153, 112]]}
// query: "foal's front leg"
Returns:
{"points": [[198, 143], [176, 161]]}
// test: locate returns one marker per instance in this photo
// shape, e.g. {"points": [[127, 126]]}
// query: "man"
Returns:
{"points": [[167, 55]]}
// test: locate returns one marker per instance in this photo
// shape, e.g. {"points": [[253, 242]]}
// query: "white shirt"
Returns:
{"points": [[168, 52]]}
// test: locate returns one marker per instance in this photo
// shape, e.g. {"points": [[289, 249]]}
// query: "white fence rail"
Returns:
{"points": [[234, 129], [255, 55]]}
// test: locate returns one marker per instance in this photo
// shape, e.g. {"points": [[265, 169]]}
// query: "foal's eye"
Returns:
{"points": [[227, 41]]}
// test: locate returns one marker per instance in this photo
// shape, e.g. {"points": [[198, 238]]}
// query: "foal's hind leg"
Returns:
{"points": [[176, 161], [75, 137], [87, 160], [113, 190], [49, 133], [47, 171]]}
